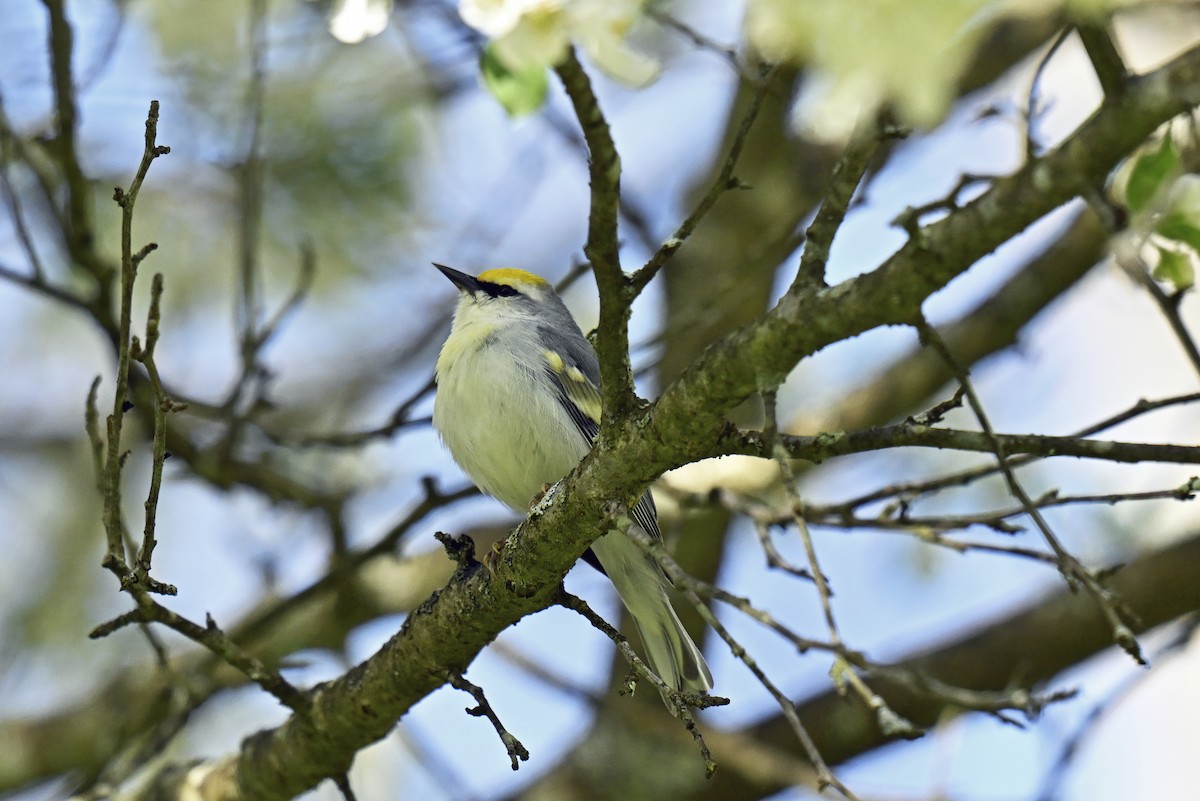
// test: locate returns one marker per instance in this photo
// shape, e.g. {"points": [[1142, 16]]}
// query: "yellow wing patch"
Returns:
{"points": [[579, 390], [510, 276]]}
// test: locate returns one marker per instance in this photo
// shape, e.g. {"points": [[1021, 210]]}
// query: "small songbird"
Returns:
{"points": [[518, 405]]}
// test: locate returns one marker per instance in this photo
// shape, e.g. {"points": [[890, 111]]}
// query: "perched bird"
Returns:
{"points": [[518, 406]]}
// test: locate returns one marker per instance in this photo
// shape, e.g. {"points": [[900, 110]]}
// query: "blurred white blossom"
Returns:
{"points": [[352, 21], [906, 51], [910, 53], [536, 33]]}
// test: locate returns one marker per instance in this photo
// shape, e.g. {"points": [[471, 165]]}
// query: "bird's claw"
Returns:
{"points": [[492, 556], [537, 497]]}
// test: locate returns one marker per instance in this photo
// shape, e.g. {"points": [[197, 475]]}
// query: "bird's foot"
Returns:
{"points": [[492, 556], [539, 495]]}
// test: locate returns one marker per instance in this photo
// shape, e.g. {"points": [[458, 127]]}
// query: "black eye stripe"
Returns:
{"points": [[498, 290]]}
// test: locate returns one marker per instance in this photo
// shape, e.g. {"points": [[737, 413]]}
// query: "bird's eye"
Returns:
{"points": [[504, 291]]}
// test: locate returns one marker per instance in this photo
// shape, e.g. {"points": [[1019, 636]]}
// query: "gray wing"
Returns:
{"points": [[574, 371], [571, 365]]}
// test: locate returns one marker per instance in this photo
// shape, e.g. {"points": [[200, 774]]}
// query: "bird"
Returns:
{"points": [[518, 406]]}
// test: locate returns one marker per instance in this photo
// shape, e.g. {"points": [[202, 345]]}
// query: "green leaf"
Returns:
{"points": [[520, 92], [1175, 268], [1149, 173], [1181, 228]]}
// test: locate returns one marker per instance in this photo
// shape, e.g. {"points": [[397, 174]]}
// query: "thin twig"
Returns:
{"points": [[825, 776], [910, 218], [42, 287], [1169, 306], [703, 589], [113, 524], [43, 177], [964, 477], [844, 181], [890, 722], [795, 508], [77, 218], [1031, 110], [1070, 567], [399, 420], [898, 516], [728, 52], [213, 638], [305, 276], [994, 703], [251, 173], [12, 199], [724, 182], [775, 559], [904, 435], [246, 395], [162, 405], [517, 752], [679, 702]]}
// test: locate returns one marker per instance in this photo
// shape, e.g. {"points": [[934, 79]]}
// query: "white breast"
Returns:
{"points": [[501, 420]]}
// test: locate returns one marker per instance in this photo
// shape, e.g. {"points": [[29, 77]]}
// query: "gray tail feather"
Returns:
{"points": [[639, 581], [671, 652]]}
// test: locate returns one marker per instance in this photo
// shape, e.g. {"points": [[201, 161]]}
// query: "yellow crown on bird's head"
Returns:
{"points": [[511, 276]]}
